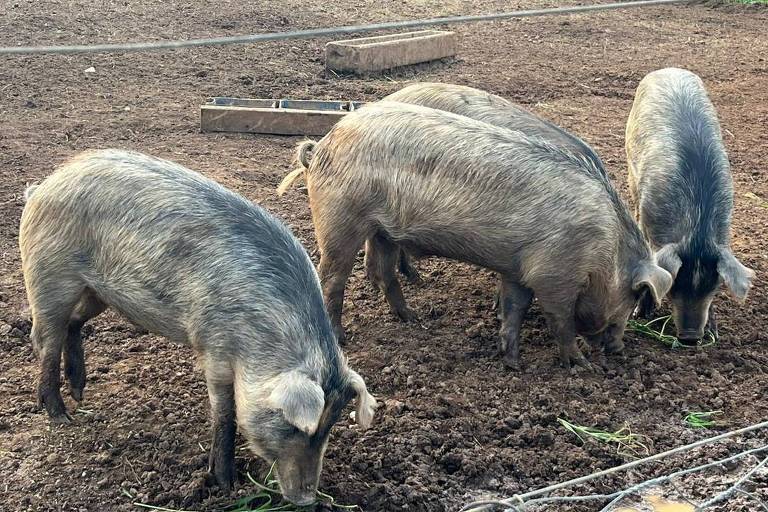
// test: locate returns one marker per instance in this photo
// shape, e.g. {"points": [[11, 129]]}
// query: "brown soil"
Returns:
{"points": [[458, 425]]}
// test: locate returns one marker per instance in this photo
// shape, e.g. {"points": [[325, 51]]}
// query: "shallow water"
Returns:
{"points": [[658, 504]]}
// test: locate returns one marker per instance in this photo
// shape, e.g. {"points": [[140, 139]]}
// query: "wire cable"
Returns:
{"points": [[320, 32]]}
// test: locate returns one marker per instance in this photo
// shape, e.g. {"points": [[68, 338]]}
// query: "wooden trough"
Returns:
{"points": [[384, 52], [275, 116]]}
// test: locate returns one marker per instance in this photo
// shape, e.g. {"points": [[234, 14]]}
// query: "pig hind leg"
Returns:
{"points": [[52, 302], [74, 358], [406, 268], [221, 462], [381, 257], [514, 301], [338, 249]]}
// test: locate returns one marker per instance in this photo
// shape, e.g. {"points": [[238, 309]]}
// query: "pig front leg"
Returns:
{"points": [[221, 463], [381, 257], [514, 301], [50, 338], [338, 249]]}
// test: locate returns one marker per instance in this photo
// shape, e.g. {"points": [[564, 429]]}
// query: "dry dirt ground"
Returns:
{"points": [[459, 424]]}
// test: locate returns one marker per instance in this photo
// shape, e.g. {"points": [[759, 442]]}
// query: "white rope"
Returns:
{"points": [[318, 32], [484, 505], [617, 496], [731, 490]]}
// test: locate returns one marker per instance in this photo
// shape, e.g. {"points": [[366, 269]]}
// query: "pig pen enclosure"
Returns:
{"points": [[455, 424]]}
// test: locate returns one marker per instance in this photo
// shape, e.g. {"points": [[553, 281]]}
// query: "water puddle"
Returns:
{"points": [[658, 504]]}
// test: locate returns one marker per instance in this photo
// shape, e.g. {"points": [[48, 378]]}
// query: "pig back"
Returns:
{"points": [[679, 170]]}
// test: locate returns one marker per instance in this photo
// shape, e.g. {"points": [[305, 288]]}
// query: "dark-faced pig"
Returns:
{"points": [[495, 110], [680, 178], [441, 184], [185, 258]]}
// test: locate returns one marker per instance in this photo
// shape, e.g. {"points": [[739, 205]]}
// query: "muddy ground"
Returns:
{"points": [[458, 424]]}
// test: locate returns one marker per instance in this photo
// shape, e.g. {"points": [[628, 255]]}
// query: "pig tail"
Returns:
{"points": [[303, 158]]}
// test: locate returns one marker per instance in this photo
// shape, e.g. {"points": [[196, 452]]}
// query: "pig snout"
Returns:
{"points": [[298, 481], [301, 497], [690, 336], [690, 321]]}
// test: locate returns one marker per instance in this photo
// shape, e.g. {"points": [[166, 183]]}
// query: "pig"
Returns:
{"points": [[493, 109], [436, 183], [185, 258], [484, 106], [680, 180]]}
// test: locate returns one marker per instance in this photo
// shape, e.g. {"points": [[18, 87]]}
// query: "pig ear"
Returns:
{"points": [[366, 404], [668, 259], [736, 276], [651, 276], [300, 399]]}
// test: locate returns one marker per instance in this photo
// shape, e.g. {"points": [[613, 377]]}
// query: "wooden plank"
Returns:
{"points": [[279, 117], [370, 54]]}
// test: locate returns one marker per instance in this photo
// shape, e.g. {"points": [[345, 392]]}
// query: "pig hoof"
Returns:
{"points": [[414, 278], [76, 394], [223, 476], [54, 406], [410, 274], [581, 346], [62, 419], [341, 337], [578, 369], [576, 362], [407, 315], [581, 362], [512, 363], [601, 362]]}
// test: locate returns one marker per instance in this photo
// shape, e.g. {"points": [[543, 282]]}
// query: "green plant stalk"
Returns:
{"points": [[627, 443], [671, 341], [268, 491], [701, 419]]}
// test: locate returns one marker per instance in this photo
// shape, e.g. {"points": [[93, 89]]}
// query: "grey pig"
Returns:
{"points": [[183, 257], [441, 184], [680, 179], [492, 109], [495, 110]]}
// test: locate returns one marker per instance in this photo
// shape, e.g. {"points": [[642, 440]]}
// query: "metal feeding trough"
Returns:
{"points": [[275, 116]]}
